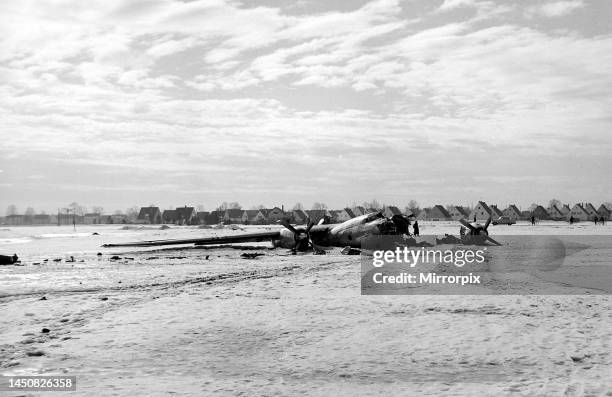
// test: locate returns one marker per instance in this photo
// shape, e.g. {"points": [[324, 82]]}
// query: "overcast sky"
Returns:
{"points": [[119, 103]]}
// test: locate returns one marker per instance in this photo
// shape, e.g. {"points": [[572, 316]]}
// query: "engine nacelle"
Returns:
{"points": [[286, 239]]}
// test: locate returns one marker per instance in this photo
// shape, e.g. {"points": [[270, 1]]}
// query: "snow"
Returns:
{"points": [[176, 322]]}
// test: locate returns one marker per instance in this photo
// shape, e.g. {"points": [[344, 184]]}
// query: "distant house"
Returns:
{"points": [[481, 211], [233, 215], [15, 219], [298, 217], [345, 215], [359, 210], [119, 218], [540, 212], [91, 218], [578, 212], [566, 211], [169, 216], [513, 212], [104, 219], [496, 212], [413, 211], [261, 218], [438, 213], [555, 213], [149, 215], [457, 212], [333, 215], [316, 215], [590, 209], [213, 217], [69, 219], [275, 215], [423, 214], [186, 216], [249, 216], [391, 210], [42, 219], [202, 217], [604, 212]]}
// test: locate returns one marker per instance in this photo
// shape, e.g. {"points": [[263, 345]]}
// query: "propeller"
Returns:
{"points": [[492, 241], [486, 226], [301, 237], [468, 225], [478, 230], [486, 232]]}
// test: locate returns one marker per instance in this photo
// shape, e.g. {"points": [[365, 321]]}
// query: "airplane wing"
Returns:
{"points": [[240, 238]]}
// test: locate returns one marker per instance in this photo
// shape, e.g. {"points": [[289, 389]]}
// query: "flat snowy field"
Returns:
{"points": [[205, 321]]}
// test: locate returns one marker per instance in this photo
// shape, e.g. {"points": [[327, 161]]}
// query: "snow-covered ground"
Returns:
{"points": [[204, 321]]}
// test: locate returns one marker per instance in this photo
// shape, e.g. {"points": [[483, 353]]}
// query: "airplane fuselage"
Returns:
{"points": [[354, 232]]}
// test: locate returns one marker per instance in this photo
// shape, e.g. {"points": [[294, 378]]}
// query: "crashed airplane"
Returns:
{"points": [[361, 231]]}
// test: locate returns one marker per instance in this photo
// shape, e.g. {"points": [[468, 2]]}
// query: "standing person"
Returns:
{"points": [[602, 220], [532, 220], [415, 228], [571, 220]]}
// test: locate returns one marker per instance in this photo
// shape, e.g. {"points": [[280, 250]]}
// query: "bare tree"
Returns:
{"points": [[533, 206], [29, 215], [298, 206], [222, 207], [132, 213], [11, 210], [76, 208], [554, 201], [200, 208], [372, 204], [319, 206], [413, 206], [96, 209], [234, 205], [258, 207]]}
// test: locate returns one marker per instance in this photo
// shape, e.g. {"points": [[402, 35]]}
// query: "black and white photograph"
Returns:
{"points": [[309, 197]]}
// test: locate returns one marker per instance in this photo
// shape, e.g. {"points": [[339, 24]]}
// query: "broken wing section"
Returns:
{"points": [[241, 238]]}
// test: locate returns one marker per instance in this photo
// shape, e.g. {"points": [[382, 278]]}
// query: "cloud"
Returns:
{"points": [[555, 9], [217, 89], [452, 4], [170, 47]]}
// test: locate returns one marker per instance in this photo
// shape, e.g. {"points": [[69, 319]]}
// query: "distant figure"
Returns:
{"points": [[602, 220], [474, 218], [533, 221], [571, 220], [595, 219], [415, 228]]}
